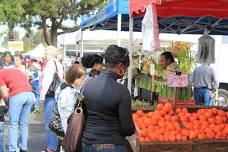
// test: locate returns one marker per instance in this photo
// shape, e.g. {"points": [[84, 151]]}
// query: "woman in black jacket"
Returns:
{"points": [[107, 106]]}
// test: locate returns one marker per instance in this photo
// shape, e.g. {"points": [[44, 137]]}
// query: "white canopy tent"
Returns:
{"points": [[3, 49], [37, 52]]}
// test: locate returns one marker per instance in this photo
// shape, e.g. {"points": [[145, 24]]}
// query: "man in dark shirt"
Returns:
{"points": [[108, 105]]}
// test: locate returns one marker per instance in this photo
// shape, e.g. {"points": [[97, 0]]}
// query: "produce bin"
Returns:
{"points": [[210, 146], [194, 145], [186, 146], [164, 146], [178, 102]]}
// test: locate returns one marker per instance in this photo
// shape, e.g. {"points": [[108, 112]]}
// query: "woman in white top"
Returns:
{"points": [[66, 95], [49, 69]]}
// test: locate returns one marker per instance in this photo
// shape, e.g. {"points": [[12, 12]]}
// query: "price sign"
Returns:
{"points": [[177, 81]]}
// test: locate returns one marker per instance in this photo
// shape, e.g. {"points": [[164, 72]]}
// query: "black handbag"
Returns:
{"points": [[55, 83], [55, 124]]}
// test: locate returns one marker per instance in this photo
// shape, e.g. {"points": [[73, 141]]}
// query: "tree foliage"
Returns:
{"points": [[51, 14], [11, 13]]}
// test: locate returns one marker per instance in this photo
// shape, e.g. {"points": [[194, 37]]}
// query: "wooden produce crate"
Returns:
{"points": [[164, 146], [183, 146], [210, 146], [178, 102]]}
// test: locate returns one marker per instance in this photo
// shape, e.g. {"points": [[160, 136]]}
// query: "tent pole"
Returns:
{"points": [[130, 52], [82, 45], [64, 51], [119, 29]]}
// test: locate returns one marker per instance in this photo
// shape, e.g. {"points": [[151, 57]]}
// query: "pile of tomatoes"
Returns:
{"points": [[165, 124]]}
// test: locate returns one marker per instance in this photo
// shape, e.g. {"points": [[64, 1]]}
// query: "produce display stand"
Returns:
{"points": [[181, 146]]}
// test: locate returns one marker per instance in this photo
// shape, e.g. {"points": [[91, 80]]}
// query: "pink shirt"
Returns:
{"points": [[15, 80], [48, 74]]}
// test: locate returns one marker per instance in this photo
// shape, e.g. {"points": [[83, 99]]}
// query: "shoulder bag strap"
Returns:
{"points": [[80, 97], [56, 69]]}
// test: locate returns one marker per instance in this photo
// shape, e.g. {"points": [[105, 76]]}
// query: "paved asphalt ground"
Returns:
{"points": [[37, 139]]}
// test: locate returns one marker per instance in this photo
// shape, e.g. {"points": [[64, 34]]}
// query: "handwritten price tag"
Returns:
{"points": [[177, 81]]}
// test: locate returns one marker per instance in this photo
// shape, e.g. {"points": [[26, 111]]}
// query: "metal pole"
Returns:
{"points": [[130, 52], [119, 29], [82, 45], [64, 51]]}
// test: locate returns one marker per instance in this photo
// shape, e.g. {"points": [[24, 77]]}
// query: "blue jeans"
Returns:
{"points": [[52, 140], [103, 148], [19, 110], [2, 143], [37, 101], [202, 96]]}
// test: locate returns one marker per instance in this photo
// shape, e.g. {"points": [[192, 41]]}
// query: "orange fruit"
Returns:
{"points": [[161, 124], [192, 135], [188, 125], [211, 120], [167, 117], [208, 114], [160, 106], [178, 110], [161, 138], [184, 138], [143, 133], [179, 137], [171, 112], [201, 136], [214, 111], [140, 113], [218, 120], [184, 118], [172, 137], [185, 132], [174, 118], [184, 110]]}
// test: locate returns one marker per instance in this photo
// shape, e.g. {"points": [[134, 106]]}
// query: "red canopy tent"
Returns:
{"points": [[167, 8], [186, 16]]}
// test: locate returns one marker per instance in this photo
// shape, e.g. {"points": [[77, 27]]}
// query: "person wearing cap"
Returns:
{"points": [[52, 65], [7, 60]]}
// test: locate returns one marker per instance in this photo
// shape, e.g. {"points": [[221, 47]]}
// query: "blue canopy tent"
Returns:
{"points": [[108, 14]]}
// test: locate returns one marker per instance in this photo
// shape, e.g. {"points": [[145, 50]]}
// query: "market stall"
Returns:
{"points": [[185, 17], [167, 127]]}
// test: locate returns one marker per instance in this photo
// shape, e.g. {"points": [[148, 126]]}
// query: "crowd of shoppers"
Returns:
{"points": [[107, 103], [24, 83]]}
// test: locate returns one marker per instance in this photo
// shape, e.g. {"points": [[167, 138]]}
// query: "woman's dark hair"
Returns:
{"points": [[74, 72], [90, 60], [94, 73], [168, 56], [115, 55]]}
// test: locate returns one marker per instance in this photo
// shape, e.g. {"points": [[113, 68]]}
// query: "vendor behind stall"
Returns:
{"points": [[168, 63]]}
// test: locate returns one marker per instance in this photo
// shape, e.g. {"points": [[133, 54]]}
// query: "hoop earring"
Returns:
{"points": [[121, 72]]}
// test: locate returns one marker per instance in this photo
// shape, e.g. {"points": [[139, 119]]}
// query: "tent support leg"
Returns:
{"points": [[119, 29], [130, 52], [82, 45]]}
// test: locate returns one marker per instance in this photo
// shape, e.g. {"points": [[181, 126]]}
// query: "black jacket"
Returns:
{"points": [[108, 111]]}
